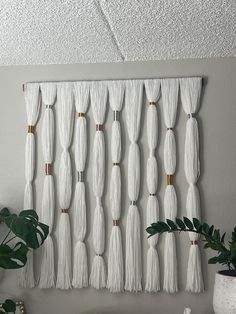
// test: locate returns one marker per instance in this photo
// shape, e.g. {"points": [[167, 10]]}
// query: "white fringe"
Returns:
{"points": [[115, 278], [194, 274], [170, 283], [81, 143], [153, 272], [133, 251], [170, 202], [28, 196], [80, 270], [48, 202], [152, 128], [47, 277], [80, 219], [152, 175], [26, 279], [115, 142], [64, 256], [98, 273]]}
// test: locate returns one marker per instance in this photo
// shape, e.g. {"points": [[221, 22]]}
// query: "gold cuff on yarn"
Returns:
{"points": [[169, 179], [116, 163], [169, 129], [48, 169], [80, 176], [116, 114], [152, 194], [133, 203], [99, 127], [64, 210], [152, 103], [191, 115], [31, 129], [115, 222], [81, 114], [195, 242]]}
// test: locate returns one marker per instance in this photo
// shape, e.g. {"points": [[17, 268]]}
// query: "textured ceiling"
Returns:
{"points": [[79, 31]]}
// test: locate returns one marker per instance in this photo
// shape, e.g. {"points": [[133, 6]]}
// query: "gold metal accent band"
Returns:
{"points": [[150, 194], [31, 129], [99, 127], [152, 103], [169, 179], [195, 242], [116, 163], [81, 114], [115, 222], [48, 169], [64, 210]]}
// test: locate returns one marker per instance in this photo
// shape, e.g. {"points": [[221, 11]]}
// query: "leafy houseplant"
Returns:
{"points": [[226, 254], [24, 233], [224, 300]]}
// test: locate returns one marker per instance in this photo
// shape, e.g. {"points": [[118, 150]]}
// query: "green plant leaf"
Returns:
{"points": [[210, 231], [9, 306], [223, 238], [180, 223], [213, 260], [205, 227], [171, 224], [26, 227], [188, 223], [196, 223], [13, 258]]}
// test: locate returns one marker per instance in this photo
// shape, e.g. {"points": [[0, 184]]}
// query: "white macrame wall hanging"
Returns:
{"points": [[80, 269], [170, 88], [47, 273], [115, 276], [152, 88], [98, 95], [133, 262], [31, 91], [190, 96], [66, 120]]}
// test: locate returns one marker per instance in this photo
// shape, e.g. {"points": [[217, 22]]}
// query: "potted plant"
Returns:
{"points": [[224, 301], [24, 233]]}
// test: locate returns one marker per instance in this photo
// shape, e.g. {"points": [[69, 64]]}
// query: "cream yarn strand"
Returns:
{"points": [[31, 91], [66, 120], [47, 273], [98, 94], [190, 96], [152, 88], [115, 276], [170, 88], [80, 268], [133, 263]]}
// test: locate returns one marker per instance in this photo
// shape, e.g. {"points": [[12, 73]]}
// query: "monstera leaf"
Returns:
{"points": [[25, 226], [13, 258]]}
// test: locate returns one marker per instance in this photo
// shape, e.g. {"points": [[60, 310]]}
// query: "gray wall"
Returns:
{"points": [[217, 122]]}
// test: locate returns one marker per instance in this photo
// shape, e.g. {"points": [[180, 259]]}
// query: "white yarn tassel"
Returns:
{"points": [[133, 251], [64, 261], [190, 95], [153, 272], [98, 273], [66, 120], [47, 278], [115, 278], [194, 274], [115, 275], [80, 270], [152, 88], [170, 284], [170, 152], [47, 264], [26, 279]]}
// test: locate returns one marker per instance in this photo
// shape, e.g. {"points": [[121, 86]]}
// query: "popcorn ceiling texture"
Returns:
{"points": [[79, 31]]}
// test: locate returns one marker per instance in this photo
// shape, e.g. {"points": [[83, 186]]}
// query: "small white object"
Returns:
{"points": [[187, 311]]}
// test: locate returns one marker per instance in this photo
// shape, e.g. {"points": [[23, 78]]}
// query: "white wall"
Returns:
{"points": [[217, 121]]}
